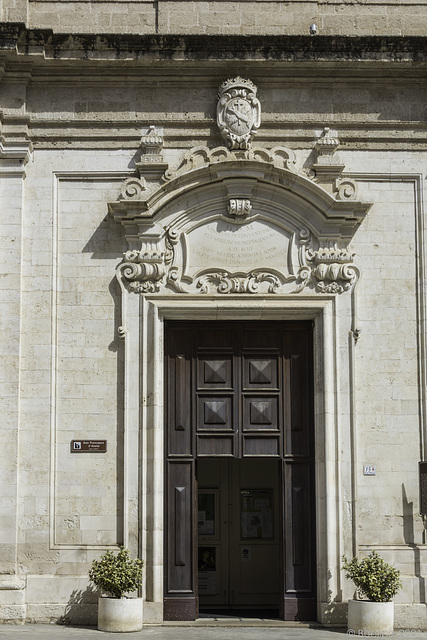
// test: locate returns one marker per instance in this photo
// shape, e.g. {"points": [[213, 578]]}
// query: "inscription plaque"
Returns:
{"points": [[88, 446], [237, 248], [422, 466]]}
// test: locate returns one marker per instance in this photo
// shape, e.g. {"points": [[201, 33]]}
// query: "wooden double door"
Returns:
{"points": [[239, 431]]}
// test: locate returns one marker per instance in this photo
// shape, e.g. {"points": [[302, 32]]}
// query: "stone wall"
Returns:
{"points": [[72, 114], [332, 17]]}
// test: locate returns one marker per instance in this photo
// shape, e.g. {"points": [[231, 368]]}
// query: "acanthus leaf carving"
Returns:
{"points": [[199, 157], [238, 210], [173, 271], [224, 282], [279, 157]]}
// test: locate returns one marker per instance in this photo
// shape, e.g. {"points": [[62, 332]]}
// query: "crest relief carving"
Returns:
{"points": [[238, 112]]}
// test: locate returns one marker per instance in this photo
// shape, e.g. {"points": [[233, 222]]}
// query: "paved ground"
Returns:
{"points": [[208, 630]]}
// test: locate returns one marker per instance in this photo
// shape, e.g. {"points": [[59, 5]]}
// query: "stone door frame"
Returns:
{"points": [[172, 219], [143, 320]]}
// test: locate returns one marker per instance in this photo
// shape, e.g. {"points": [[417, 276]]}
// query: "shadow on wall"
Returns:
{"points": [[335, 611], [409, 537], [82, 608]]}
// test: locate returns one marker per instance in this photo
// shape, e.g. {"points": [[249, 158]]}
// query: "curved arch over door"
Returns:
{"points": [[223, 223]]}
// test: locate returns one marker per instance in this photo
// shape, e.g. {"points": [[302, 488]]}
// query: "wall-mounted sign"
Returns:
{"points": [[369, 470], [88, 446], [256, 513], [422, 466]]}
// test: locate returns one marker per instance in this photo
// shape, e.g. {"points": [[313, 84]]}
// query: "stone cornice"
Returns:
{"points": [[17, 151], [198, 48]]}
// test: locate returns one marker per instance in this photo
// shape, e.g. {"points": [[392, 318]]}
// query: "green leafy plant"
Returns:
{"points": [[116, 574], [373, 577]]}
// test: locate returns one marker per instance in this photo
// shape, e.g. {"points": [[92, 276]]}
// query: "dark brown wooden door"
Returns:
{"points": [[240, 390]]}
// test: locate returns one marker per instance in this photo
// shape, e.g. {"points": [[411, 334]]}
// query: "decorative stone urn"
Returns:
{"points": [[370, 618], [120, 614]]}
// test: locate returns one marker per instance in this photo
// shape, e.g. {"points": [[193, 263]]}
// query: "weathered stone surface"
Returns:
{"points": [[321, 219]]}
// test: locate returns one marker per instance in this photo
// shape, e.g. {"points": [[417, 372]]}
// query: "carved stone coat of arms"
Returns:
{"points": [[238, 112]]}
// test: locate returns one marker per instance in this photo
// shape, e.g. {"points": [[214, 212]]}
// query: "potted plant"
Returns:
{"points": [[117, 575], [379, 582]]}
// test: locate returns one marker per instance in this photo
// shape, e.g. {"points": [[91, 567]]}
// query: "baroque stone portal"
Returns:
{"points": [[241, 219]]}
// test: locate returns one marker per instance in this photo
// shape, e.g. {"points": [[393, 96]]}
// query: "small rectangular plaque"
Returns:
{"points": [[422, 466], [88, 446], [369, 470]]}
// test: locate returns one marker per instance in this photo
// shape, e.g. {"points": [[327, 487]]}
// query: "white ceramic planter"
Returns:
{"points": [[120, 614], [371, 618]]}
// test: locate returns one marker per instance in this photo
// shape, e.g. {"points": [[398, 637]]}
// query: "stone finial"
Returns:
{"points": [[151, 164], [152, 145], [328, 165]]}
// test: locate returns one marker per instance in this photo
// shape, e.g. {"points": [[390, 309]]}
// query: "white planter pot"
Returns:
{"points": [[370, 618], [120, 614]]}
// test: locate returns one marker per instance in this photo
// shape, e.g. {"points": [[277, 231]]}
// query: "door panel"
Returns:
{"points": [[238, 554], [255, 534], [178, 385], [240, 391], [180, 598], [213, 531]]}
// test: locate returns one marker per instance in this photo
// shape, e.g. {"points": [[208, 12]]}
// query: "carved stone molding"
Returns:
{"points": [[200, 157], [329, 267], [223, 282], [328, 165], [346, 189], [238, 210], [151, 164], [238, 112], [144, 271], [238, 222], [14, 155], [152, 145], [133, 188]]}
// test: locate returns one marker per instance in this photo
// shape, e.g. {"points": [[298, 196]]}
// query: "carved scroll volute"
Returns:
{"points": [[144, 270], [133, 189], [238, 112]]}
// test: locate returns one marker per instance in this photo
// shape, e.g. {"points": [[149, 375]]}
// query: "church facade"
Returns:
{"points": [[213, 302]]}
